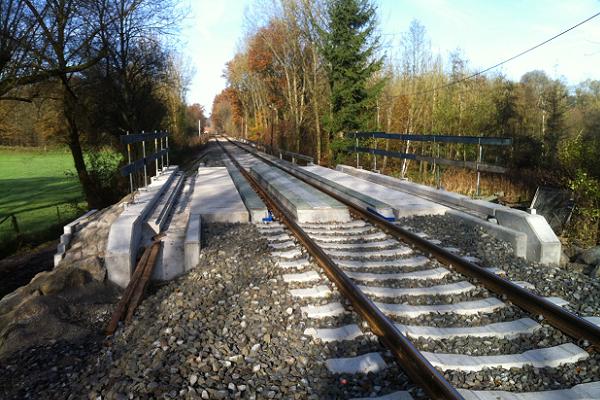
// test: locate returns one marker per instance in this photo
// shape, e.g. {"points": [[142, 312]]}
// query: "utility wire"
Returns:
{"points": [[505, 61]]}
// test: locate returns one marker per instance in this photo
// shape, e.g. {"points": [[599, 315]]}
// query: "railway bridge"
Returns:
{"points": [[256, 277]]}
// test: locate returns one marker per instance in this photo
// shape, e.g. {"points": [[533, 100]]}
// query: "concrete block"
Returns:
{"points": [[509, 330], [399, 395], [370, 362], [323, 311], [126, 231], [316, 292], [483, 207], [302, 277], [549, 357], [121, 249], [346, 332], [335, 182], [583, 391], [304, 202], [216, 198], [542, 244], [518, 240], [169, 263], [424, 275], [65, 238], [192, 244], [473, 307], [165, 203], [438, 290], [58, 258], [254, 204]]}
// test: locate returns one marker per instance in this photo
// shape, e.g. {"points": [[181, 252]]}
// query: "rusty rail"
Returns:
{"points": [[136, 287], [567, 322], [410, 359]]}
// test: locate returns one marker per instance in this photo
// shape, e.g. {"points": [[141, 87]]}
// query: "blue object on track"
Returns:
{"points": [[390, 219]]}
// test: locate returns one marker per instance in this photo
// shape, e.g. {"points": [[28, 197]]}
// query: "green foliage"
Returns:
{"points": [[103, 168], [587, 191], [586, 225], [349, 50]]}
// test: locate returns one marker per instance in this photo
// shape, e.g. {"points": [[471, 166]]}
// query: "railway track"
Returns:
{"points": [[441, 316]]}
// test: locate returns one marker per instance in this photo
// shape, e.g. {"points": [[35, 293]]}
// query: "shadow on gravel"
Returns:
{"points": [[47, 372]]}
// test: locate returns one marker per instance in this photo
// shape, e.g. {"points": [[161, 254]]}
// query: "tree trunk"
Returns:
{"points": [[70, 112]]}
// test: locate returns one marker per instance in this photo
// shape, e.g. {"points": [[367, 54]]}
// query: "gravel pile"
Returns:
{"points": [[581, 291], [229, 329]]}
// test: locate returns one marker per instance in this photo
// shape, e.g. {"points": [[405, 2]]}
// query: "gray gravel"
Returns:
{"points": [[228, 329]]}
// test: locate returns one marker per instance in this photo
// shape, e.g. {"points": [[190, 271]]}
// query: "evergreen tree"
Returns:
{"points": [[349, 50], [555, 125]]}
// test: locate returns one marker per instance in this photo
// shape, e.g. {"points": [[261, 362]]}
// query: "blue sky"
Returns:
{"points": [[487, 31]]}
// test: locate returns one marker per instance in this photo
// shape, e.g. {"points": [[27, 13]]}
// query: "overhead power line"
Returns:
{"points": [[505, 61]]}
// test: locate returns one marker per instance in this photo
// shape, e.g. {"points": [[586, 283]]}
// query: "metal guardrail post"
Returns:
{"points": [[129, 162], [156, 151], [144, 155], [167, 147], [355, 147], [375, 155], [162, 160]]}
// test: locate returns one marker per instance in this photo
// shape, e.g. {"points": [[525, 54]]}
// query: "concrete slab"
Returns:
{"points": [[403, 204], [356, 223], [407, 263], [583, 391], [550, 357], [365, 363], [178, 231], [383, 244], [69, 231], [346, 332], [473, 307], [508, 330], [294, 264], [193, 243], [347, 232], [423, 275], [400, 395], [399, 251], [126, 232], [282, 245], [305, 203], [316, 292], [287, 254], [344, 238], [542, 244], [323, 311], [216, 198], [165, 203], [256, 207], [438, 290], [308, 276]]}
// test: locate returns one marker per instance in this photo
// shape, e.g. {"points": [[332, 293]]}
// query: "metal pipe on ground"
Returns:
{"points": [[418, 368]]}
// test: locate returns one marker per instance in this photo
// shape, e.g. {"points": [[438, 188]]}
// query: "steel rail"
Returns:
{"points": [[567, 322], [409, 358]]}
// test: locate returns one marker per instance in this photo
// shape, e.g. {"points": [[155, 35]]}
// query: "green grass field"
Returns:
{"points": [[33, 183]]}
